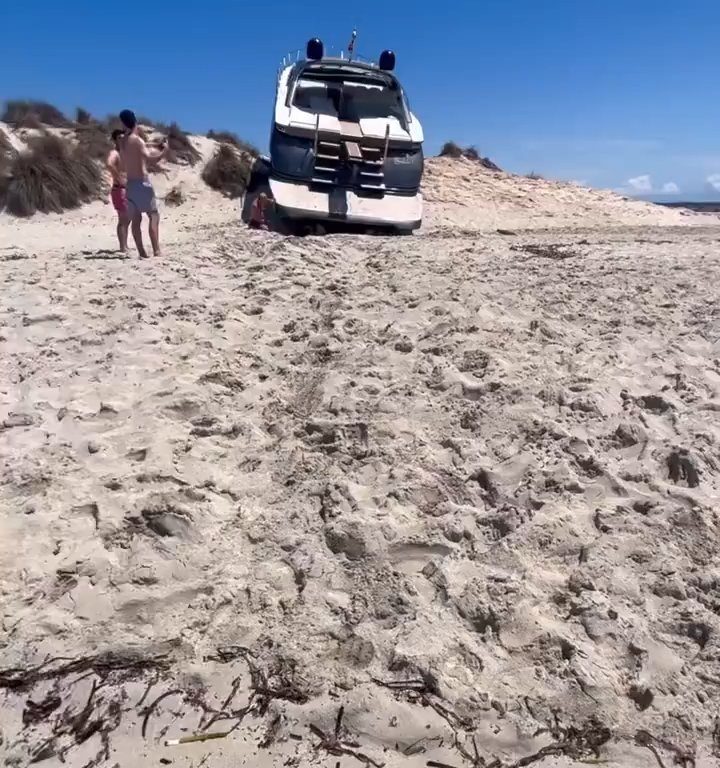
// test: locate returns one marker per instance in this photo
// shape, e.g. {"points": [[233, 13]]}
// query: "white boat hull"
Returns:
{"points": [[298, 201]]}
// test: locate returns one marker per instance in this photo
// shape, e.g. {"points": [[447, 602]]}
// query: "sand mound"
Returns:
{"points": [[463, 193], [449, 499]]}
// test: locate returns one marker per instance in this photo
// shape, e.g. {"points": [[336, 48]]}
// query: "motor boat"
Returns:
{"points": [[345, 145]]}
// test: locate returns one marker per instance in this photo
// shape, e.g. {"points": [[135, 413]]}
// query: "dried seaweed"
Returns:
{"points": [[335, 745], [574, 742], [130, 662]]}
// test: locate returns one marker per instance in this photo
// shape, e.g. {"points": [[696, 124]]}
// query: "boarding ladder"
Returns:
{"points": [[349, 159]]}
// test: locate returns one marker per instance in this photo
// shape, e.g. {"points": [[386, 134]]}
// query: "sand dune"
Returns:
{"points": [[460, 487], [461, 193]]}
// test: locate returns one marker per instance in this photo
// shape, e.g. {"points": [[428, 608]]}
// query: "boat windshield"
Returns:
{"points": [[348, 100]]}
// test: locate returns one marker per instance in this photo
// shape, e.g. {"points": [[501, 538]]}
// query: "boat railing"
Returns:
{"points": [[343, 54]]}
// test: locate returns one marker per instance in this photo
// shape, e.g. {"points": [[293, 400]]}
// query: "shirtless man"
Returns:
{"points": [[140, 193], [117, 192]]}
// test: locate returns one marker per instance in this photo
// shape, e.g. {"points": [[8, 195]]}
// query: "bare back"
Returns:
{"points": [[133, 153]]}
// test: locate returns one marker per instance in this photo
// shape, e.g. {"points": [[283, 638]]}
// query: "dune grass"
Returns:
{"points": [[455, 151], [6, 147], [6, 156], [228, 170], [32, 114], [228, 137], [451, 149], [93, 140], [50, 176], [180, 148], [83, 117], [55, 174]]}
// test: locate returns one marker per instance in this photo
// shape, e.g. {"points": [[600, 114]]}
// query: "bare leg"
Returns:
{"points": [[137, 234], [123, 226], [154, 231]]}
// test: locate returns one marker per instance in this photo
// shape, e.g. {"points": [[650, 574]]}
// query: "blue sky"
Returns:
{"points": [[599, 91]]}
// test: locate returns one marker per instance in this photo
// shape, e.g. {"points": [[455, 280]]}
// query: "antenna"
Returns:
{"points": [[351, 45]]}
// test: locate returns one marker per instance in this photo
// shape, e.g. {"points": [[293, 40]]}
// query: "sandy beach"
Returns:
{"points": [[449, 499]]}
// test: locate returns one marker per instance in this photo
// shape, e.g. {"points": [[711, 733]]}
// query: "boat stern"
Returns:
{"points": [[300, 201]]}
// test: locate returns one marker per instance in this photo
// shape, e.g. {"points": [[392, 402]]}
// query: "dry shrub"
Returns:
{"points": [[228, 170], [7, 153], [6, 147], [175, 196], [156, 125], [83, 117], [30, 121], [228, 137], [451, 149], [93, 141], [486, 162], [180, 148], [50, 176], [18, 111], [534, 176], [111, 122]]}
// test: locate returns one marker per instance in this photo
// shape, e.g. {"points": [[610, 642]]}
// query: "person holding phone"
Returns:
{"points": [[139, 191]]}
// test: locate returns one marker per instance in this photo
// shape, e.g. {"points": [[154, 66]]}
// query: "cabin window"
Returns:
{"points": [[351, 101]]}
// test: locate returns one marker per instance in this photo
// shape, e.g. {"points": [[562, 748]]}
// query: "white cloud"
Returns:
{"points": [[670, 188], [642, 184], [713, 182]]}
